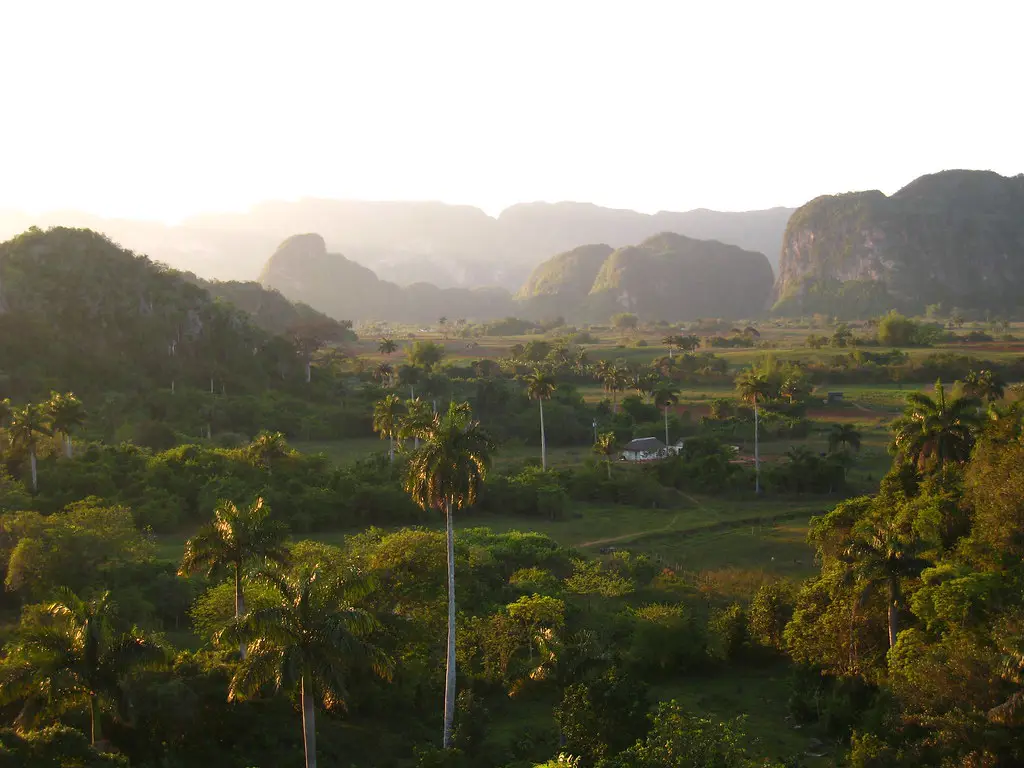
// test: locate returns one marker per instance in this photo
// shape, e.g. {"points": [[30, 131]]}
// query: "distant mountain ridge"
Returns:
{"points": [[954, 238], [410, 242]]}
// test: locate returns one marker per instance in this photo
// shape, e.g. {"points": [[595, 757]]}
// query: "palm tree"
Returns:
{"points": [[540, 386], [266, 448], [382, 373], [235, 540], [881, 554], [418, 418], [671, 342], [936, 429], [984, 385], [387, 346], [754, 388], [665, 397], [387, 415], [409, 376], [446, 474], [643, 383], [843, 435], [28, 424], [72, 653], [605, 446], [65, 412], [307, 639]]}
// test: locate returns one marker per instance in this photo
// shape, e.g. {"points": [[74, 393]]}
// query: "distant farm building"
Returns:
{"points": [[834, 397], [649, 448]]}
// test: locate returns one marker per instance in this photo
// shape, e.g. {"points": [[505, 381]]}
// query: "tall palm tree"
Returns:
{"points": [[65, 412], [446, 474], [417, 419], [540, 386], [754, 388], [938, 429], [844, 435], [409, 376], [665, 397], [71, 653], [235, 540], [643, 383], [387, 346], [882, 554], [308, 639], [28, 424], [605, 447], [387, 416]]}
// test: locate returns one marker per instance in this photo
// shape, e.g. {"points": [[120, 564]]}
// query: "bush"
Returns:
{"points": [[727, 633]]}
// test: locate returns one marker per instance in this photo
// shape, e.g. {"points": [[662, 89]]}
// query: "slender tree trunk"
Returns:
{"points": [[68, 448], [894, 612], [211, 385], [608, 463], [94, 718], [34, 467], [543, 439], [449, 680], [757, 454], [391, 453], [308, 721], [309, 370], [239, 603], [666, 427]]}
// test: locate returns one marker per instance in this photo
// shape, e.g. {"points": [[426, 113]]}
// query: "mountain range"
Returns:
{"points": [[411, 242]]}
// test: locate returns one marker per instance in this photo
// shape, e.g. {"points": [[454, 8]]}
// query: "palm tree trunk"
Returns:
{"points": [[309, 371], [449, 681], [35, 469], [666, 426], [94, 718], [543, 439], [757, 454], [391, 453], [68, 448], [894, 613], [608, 463], [239, 602], [308, 721]]}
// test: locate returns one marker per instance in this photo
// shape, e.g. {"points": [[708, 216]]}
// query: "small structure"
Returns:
{"points": [[834, 397], [644, 449]]}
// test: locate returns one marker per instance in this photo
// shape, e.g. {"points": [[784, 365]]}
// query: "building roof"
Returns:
{"points": [[648, 444]]}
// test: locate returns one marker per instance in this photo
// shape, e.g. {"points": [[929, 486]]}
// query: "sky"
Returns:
{"points": [[161, 110]]}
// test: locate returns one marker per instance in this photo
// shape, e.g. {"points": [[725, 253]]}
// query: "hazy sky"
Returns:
{"points": [[163, 109]]}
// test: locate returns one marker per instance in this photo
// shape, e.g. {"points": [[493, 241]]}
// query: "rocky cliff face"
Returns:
{"points": [[955, 237]]}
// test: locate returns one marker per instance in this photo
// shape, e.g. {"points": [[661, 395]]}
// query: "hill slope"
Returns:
{"points": [[955, 237], [303, 270], [78, 312], [667, 276]]}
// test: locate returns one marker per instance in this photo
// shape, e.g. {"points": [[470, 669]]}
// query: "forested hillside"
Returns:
{"points": [[667, 276]]}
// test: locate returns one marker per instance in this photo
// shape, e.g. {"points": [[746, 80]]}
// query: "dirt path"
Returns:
{"points": [[634, 534], [718, 527]]}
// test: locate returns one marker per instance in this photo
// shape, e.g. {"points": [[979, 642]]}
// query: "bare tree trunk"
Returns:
{"points": [[666, 427], [308, 721], [239, 603], [309, 370], [68, 448], [391, 452], [449, 681], [543, 439], [94, 718], [894, 612], [35, 469], [757, 454]]}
